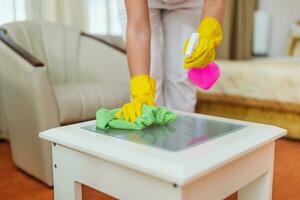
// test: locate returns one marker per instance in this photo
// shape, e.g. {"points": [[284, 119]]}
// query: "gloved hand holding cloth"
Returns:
{"points": [[142, 89], [151, 115], [210, 33]]}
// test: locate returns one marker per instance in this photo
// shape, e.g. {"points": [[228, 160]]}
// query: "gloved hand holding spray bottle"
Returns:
{"points": [[200, 54]]}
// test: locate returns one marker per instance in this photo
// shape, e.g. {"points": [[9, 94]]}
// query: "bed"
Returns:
{"points": [[260, 90]]}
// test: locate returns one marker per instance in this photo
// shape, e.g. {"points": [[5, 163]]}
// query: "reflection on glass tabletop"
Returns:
{"points": [[184, 133]]}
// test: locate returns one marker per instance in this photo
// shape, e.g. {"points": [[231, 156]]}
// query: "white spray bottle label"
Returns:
{"points": [[194, 39]]}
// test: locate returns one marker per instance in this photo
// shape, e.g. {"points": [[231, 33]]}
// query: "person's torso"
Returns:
{"points": [[173, 4]]}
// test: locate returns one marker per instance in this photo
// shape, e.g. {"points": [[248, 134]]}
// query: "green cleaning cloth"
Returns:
{"points": [[151, 115]]}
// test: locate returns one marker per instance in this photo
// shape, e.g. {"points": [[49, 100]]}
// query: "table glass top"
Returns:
{"points": [[185, 132]]}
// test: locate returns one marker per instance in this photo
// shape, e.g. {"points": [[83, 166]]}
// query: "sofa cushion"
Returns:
{"points": [[79, 101]]}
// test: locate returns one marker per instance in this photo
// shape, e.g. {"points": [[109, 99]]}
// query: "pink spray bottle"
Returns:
{"points": [[206, 76]]}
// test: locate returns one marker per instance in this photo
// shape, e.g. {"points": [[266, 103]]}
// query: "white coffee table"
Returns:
{"points": [[196, 157]]}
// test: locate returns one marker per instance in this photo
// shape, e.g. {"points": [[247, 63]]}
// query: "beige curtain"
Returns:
{"points": [[72, 13], [66, 12], [237, 30]]}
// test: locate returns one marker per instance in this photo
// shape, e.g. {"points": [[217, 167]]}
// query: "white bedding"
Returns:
{"points": [[262, 79]]}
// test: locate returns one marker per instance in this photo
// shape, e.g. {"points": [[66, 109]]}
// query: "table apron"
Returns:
{"points": [[73, 168], [234, 176]]}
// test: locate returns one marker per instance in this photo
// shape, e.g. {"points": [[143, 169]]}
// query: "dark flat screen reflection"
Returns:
{"points": [[184, 133]]}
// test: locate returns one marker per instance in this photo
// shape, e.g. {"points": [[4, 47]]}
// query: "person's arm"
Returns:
{"points": [[214, 8], [138, 36]]}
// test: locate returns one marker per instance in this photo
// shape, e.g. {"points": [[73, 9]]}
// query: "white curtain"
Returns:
{"points": [[19, 10], [66, 12], [95, 16], [102, 17], [12, 10], [72, 13]]}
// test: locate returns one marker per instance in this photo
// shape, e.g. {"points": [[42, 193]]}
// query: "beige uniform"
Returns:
{"points": [[173, 4], [172, 21]]}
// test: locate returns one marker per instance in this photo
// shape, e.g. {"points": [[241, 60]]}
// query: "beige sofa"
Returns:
{"points": [[3, 128], [53, 76]]}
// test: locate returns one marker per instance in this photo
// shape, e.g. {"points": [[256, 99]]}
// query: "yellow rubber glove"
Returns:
{"points": [[210, 33], [142, 89]]}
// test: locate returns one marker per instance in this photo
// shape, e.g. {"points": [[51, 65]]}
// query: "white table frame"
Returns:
{"points": [[78, 160]]}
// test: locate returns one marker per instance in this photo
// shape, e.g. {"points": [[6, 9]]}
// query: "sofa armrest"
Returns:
{"points": [[30, 108], [94, 37], [19, 50], [99, 60]]}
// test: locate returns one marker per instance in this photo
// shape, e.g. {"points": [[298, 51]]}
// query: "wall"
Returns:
{"points": [[282, 14]]}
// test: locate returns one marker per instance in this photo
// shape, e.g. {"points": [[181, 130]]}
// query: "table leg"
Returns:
{"points": [[65, 185], [66, 189], [259, 189]]}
